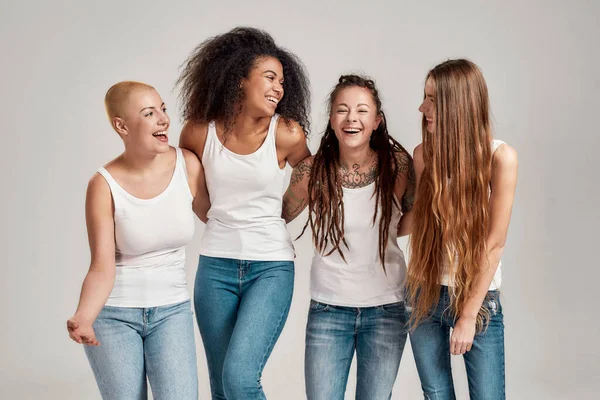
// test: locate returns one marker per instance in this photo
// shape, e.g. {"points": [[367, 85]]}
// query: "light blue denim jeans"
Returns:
{"points": [[334, 333], [241, 307], [430, 342], [135, 343]]}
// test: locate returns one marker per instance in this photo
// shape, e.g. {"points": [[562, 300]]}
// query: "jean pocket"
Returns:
{"points": [[316, 307], [396, 309]]}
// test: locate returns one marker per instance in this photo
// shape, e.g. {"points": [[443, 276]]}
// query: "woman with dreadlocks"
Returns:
{"points": [[465, 192], [356, 188], [246, 104]]}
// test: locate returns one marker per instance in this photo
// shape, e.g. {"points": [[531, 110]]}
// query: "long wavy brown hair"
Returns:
{"points": [[325, 205], [452, 200]]}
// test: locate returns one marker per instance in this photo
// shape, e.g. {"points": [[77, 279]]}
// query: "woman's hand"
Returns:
{"points": [[82, 333], [462, 335]]}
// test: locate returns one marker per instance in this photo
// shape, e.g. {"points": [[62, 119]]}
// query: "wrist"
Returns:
{"points": [[468, 317], [83, 319]]}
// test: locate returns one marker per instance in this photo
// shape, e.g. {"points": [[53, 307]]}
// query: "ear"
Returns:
{"points": [[119, 126], [378, 120]]}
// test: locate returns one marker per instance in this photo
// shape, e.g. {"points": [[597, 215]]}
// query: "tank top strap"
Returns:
{"points": [[181, 173], [271, 141], [496, 143], [272, 133], [211, 139], [115, 189]]}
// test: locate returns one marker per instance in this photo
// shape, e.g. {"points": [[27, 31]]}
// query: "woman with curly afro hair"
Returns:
{"points": [[246, 105]]}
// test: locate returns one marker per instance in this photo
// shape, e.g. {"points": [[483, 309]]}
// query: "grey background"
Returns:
{"points": [[540, 59]]}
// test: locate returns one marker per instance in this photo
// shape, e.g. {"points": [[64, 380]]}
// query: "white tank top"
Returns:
{"points": [[150, 239], [246, 191], [497, 281], [361, 282]]}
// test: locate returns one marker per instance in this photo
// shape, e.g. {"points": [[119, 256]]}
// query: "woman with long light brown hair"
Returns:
{"points": [[465, 192]]}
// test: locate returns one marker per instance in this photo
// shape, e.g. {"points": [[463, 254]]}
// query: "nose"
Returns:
{"points": [[163, 118], [351, 116], [278, 88], [422, 107]]}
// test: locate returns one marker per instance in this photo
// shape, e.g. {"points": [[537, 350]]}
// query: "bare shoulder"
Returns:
{"points": [[307, 162], [505, 156], [98, 185], [98, 196], [418, 157], [418, 153], [289, 133], [304, 167], [193, 137], [403, 160], [190, 157]]}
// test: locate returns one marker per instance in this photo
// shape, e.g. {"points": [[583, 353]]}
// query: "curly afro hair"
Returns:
{"points": [[211, 76]]}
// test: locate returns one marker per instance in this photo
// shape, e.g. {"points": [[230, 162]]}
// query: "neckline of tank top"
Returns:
{"points": [[359, 189], [272, 122], [152, 199]]}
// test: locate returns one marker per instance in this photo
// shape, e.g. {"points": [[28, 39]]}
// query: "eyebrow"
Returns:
{"points": [[358, 105], [271, 71], [151, 108]]}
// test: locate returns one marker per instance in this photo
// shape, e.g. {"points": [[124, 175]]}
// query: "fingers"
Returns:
{"points": [[75, 337], [90, 341], [458, 346], [72, 324]]}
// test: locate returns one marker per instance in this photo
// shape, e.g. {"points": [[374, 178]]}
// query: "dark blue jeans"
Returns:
{"points": [[334, 333], [241, 307], [430, 343]]}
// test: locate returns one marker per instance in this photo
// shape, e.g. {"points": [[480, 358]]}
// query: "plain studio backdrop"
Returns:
{"points": [[540, 60]]}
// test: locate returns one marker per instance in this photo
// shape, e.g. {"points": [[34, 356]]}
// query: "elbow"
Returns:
{"points": [[496, 247], [104, 269]]}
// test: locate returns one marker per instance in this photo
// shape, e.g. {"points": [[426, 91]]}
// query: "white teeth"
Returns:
{"points": [[272, 99], [351, 130], [161, 133]]}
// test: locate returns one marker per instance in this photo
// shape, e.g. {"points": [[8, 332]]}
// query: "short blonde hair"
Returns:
{"points": [[117, 96]]}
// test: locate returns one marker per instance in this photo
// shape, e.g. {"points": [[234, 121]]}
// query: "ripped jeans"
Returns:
{"points": [[430, 343]]}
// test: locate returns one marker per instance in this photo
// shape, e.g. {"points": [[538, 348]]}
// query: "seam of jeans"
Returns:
{"points": [[276, 332]]}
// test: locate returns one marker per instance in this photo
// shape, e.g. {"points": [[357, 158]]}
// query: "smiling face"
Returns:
{"points": [[144, 122], [354, 117], [263, 88], [428, 105]]}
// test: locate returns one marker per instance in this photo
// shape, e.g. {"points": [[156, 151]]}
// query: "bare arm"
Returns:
{"points": [[101, 276], [503, 186], [295, 198], [192, 140], [414, 174], [291, 143], [197, 182]]}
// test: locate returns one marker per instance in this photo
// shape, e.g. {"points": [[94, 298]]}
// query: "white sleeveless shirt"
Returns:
{"points": [[361, 281], [150, 239], [497, 281], [246, 191]]}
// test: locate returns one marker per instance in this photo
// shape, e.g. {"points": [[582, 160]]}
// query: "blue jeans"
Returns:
{"points": [[333, 333], [156, 342], [241, 307], [430, 343]]}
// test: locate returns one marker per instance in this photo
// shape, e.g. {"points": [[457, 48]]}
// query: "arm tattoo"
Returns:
{"points": [[293, 204], [298, 173], [292, 207], [405, 165]]}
